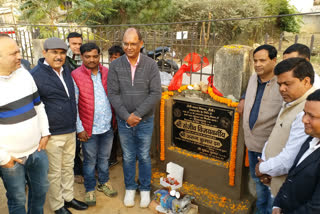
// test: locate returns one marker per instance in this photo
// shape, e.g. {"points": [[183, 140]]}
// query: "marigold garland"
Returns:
{"points": [[165, 95], [246, 162], [234, 142], [234, 138]]}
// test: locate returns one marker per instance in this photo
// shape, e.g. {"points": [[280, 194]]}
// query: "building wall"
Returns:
{"points": [[311, 24]]}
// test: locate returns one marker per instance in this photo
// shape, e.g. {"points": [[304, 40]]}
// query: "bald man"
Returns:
{"points": [[24, 133], [134, 95]]}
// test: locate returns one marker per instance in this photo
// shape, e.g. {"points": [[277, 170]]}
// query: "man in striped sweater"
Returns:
{"points": [[24, 133]]}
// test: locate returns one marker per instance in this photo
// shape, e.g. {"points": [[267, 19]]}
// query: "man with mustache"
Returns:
{"points": [[56, 89], [94, 128], [134, 88], [262, 104]]}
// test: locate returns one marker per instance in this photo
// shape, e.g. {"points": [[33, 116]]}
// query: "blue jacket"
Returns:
{"points": [[61, 109], [300, 193]]}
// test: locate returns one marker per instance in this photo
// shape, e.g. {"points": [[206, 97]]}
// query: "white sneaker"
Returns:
{"points": [[129, 198], [145, 199]]}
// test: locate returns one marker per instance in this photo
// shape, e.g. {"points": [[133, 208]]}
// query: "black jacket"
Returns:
{"points": [[60, 108], [300, 193]]}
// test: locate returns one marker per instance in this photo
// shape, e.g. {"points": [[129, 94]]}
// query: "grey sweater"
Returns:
{"points": [[138, 97]]}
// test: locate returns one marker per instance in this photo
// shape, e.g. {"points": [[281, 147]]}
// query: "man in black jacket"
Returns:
{"points": [[56, 90], [300, 193], [73, 60]]}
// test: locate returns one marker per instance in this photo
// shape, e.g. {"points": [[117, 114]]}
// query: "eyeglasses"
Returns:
{"points": [[134, 45]]}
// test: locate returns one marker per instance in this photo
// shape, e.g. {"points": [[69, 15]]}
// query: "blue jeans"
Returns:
{"points": [[135, 143], [264, 198], [96, 150], [35, 173]]}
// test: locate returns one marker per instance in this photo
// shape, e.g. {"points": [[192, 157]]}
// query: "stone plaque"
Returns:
{"points": [[204, 129]]}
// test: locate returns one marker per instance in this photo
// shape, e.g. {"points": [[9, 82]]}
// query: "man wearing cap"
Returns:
{"points": [[56, 89]]}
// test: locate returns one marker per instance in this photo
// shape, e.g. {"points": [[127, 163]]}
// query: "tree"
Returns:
{"points": [[90, 12], [281, 7], [42, 11], [142, 11], [224, 31]]}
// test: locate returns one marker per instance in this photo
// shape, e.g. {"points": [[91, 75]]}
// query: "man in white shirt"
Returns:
{"points": [[295, 79], [24, 133], [300, 193], [281, 164]]}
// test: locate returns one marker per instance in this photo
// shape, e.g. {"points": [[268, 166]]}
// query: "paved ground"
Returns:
{"points": [[104, 205]]}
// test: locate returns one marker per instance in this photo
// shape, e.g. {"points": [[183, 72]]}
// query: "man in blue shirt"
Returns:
{"points": [[94, 121], [260, 107]]}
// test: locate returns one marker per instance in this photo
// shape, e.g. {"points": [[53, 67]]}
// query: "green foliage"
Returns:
{"points": [[41, 11], [224, 31], [142, 11], [281, 7], [90, 12], [93, 12]]}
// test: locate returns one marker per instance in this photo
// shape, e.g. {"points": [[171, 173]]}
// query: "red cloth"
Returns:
{"points": [[82, 77], [194, 61], [214, 89]]}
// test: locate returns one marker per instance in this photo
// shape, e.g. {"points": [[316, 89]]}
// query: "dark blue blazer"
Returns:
{"points": [[60, 108], [300, 193]]}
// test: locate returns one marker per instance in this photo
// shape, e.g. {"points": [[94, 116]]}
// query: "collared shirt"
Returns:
{"points": [[60, 75], [75, 57], [102, 109], [281, 164], [133, 68], [256, 106], [313, 146]]}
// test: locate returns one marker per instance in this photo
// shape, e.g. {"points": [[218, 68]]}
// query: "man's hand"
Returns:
{"points": [[240, 107], [11, 162], [83, 136], [265, 179], [43, 143], [276, 210], [258, 173], [133, 120]]}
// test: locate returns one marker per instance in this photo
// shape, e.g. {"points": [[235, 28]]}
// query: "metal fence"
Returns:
{"points": [[182, 38]]}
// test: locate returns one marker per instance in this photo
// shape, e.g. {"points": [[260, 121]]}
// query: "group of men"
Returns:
{"points": [[71, 97], [281, 126]]}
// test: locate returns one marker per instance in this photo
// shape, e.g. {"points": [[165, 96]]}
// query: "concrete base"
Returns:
{"points": [[207, 201]]}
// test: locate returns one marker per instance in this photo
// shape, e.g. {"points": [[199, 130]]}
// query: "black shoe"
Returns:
{"points": [[62, 210], [113, 163], [75, 204]]}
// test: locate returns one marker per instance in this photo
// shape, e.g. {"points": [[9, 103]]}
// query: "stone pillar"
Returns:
{"points": [[233, 68]]}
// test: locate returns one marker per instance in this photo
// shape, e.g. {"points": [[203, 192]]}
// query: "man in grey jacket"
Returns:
{"points": [[134, 88]]}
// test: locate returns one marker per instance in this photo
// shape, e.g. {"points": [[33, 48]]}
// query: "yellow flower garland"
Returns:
{"points": [[234, 139], [165, 95], [246, 162]]}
